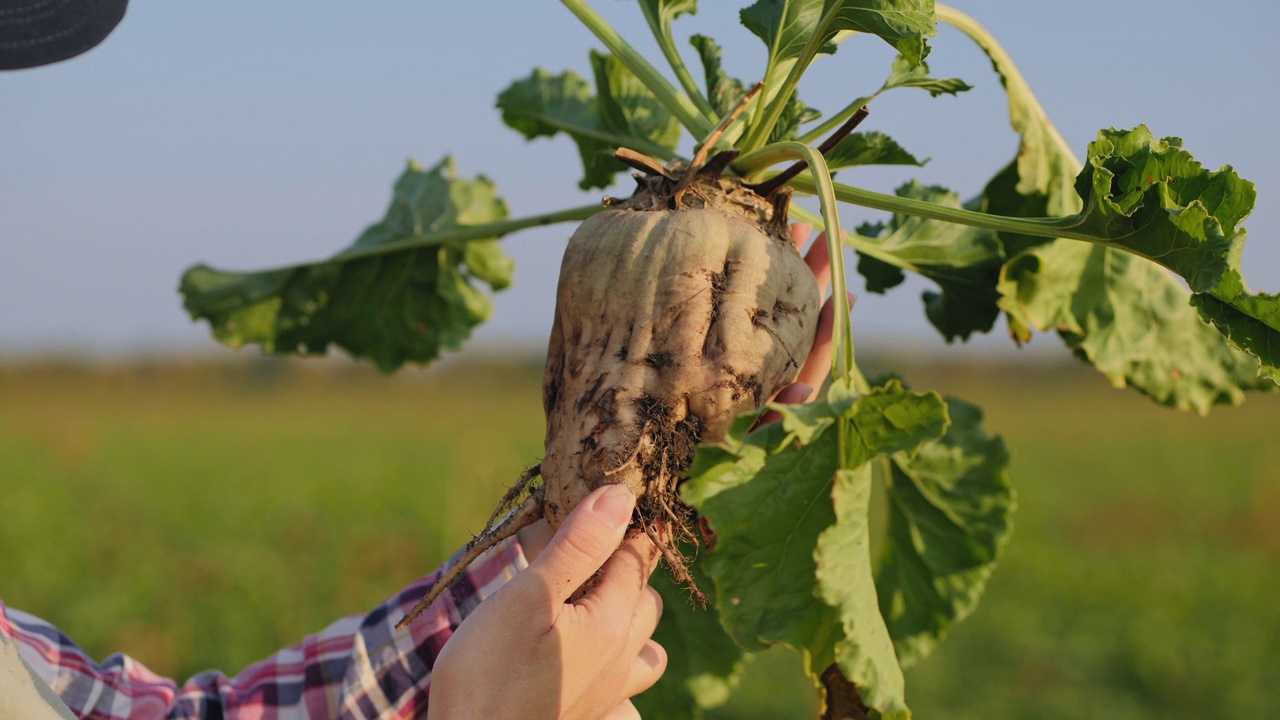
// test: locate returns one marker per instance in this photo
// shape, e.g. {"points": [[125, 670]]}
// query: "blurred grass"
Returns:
{"points": [[205, 514]]}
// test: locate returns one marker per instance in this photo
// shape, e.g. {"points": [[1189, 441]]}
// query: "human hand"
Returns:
{"points": [[567, 661]]}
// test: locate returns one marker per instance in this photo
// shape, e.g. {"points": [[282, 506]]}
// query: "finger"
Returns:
{"points": [[646, 669], [534, 538], [624, 578], [800, 234], [818, 364], [623, 711], [792, 394], [589, 535], [648, 612], [819, 261]]}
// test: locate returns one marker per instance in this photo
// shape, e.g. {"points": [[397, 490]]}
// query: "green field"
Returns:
{"points": [[202, 515]]}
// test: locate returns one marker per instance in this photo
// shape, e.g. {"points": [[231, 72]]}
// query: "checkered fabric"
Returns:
{"points": [[358, 668]]}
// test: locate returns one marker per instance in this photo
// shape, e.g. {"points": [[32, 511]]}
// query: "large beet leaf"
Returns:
{"points": [[621, 113], [1126, 317], [787, 27], [788, 508], [409, 287], [950, 508]]}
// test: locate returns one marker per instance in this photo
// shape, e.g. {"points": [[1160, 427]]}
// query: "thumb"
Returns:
{"points": [[589, 535]]}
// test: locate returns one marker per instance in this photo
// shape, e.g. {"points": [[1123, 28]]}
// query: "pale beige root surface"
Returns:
{"points": [[668, 324]]}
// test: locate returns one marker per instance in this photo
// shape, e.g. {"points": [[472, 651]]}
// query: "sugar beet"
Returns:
{"points": [[677, 309]]}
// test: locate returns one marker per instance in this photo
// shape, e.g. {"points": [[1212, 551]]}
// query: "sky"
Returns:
{"points": [[248, 135]]}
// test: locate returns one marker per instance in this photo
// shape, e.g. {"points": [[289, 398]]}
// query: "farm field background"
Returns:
{"points": [[202, 514]]}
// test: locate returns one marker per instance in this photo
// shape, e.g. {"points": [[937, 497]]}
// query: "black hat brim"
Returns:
{"points": [[39, 32]]}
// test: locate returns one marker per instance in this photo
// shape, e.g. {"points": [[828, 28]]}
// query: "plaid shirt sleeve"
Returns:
{"points": [[358, 668]]}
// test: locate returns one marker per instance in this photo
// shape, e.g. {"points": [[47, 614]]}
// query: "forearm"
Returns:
{"points": [[358, 667]]}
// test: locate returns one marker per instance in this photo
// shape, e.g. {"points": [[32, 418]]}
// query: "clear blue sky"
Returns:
{"points": [[250, 134]]}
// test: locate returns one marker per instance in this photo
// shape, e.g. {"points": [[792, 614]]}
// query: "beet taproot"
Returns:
{"points": [[676, 310]]}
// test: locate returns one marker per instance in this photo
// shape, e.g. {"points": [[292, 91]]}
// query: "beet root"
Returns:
{"points": [[677, 310], [670, 322]]}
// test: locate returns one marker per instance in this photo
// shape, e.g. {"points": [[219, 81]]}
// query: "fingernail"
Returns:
{"points": [[853, 299], [614, 504], [804, 390]]}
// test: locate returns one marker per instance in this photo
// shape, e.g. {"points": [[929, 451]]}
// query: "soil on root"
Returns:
{"points": [[665, 450]]}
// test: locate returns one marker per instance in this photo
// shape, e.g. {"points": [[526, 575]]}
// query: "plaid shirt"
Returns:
{"points": [[358, 668]]}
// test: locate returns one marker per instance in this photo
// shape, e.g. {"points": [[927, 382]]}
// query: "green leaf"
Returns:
{"points": [[1001, 197], [794, 114], [964, 262], [771, 496], [669, 10], [543, 105], [904, 73], [1153, 199], [1129, 319], [660, 14], [703, 661], [723, 91], [627, 108], [391, 307], [764, 576], [796, 30], [904, 24], [1249, 322], [870, 148], [950, 509], [865, 653], [785, 26], [623, 114]]}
